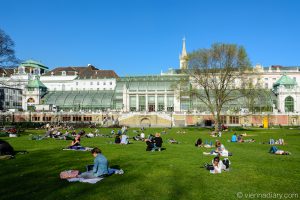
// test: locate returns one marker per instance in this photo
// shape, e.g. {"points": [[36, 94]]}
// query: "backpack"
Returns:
{"points": [[68, 174], [226, 163]]}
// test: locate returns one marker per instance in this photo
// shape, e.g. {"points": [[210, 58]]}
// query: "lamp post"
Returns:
{"points": [[171, 119]]}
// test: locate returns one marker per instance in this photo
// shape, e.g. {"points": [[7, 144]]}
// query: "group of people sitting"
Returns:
{"points": [[280, 141], [121, 139], [239, 138], [216, 134], [154, 142]]}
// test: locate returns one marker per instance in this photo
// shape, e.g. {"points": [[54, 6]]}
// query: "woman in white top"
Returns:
{"points": [[218, 166], [124, 139]]}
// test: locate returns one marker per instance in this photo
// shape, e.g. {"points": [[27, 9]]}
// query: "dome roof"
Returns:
{"points": [[33, 63], [35, 83], [285, 80]]}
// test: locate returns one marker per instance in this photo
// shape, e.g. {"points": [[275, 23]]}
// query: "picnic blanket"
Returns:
{"points": [[80, 149], [83, 180]]}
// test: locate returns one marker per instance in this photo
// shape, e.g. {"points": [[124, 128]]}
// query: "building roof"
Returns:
{"points": [[89, 72], [6, 71], [33, 64], [285, 80], [80, 99], [35, 83]]}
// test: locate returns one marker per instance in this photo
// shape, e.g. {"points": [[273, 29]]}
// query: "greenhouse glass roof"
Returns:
{"points": [[89, 99]]}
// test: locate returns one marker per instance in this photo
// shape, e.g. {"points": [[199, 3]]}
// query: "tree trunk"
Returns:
{"points": [[217, 122]]}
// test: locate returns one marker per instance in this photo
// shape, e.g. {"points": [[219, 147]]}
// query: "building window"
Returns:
{"points": [[266, 85], [110, 83], [65, 119], [233, 119], [98, 83], [223, 119], [76, 83], [170, 103], [91, 83], [161, 103], [75, 118], [142, 103], [87, 119], [132, 103], [289, 104], [104, 83], [151, 103]]}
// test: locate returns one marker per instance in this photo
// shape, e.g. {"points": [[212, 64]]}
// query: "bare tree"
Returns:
{"points": [[218, 75], [7, 52]]}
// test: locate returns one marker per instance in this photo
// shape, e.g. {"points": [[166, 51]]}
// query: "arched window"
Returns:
{"points": [[30, 100], [289, 104]]}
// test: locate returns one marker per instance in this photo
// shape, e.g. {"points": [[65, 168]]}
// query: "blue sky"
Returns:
{"points": [[137, 37]]}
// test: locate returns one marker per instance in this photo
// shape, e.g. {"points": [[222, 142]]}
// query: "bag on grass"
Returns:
{"points": [[69, 174]]}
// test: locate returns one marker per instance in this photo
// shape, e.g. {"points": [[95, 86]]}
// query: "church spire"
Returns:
{"points": [[183, 56]]}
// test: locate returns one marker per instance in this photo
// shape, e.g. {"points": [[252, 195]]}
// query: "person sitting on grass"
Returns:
{"points": [[280, 141], [234, 138], [142, 136], [117, 139], [199, 143], [158, 141], [275, 150], [124, 139], [76, 141], [100, 167], [150, 144], [217, 166], [240, 138]]}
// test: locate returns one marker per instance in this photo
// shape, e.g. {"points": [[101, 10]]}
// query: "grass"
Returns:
{"points": [[175, 173]]}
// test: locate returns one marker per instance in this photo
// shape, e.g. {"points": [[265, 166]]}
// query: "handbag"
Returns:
{"points": [[69, 174]]}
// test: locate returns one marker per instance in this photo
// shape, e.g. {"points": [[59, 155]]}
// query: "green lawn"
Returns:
{"points": [[175, 173]]}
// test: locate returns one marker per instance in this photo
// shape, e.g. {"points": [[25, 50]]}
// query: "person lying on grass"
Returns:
{"points": [[217, 165], [173, 141], [249, 140], [275, 150], [220, 150]]}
